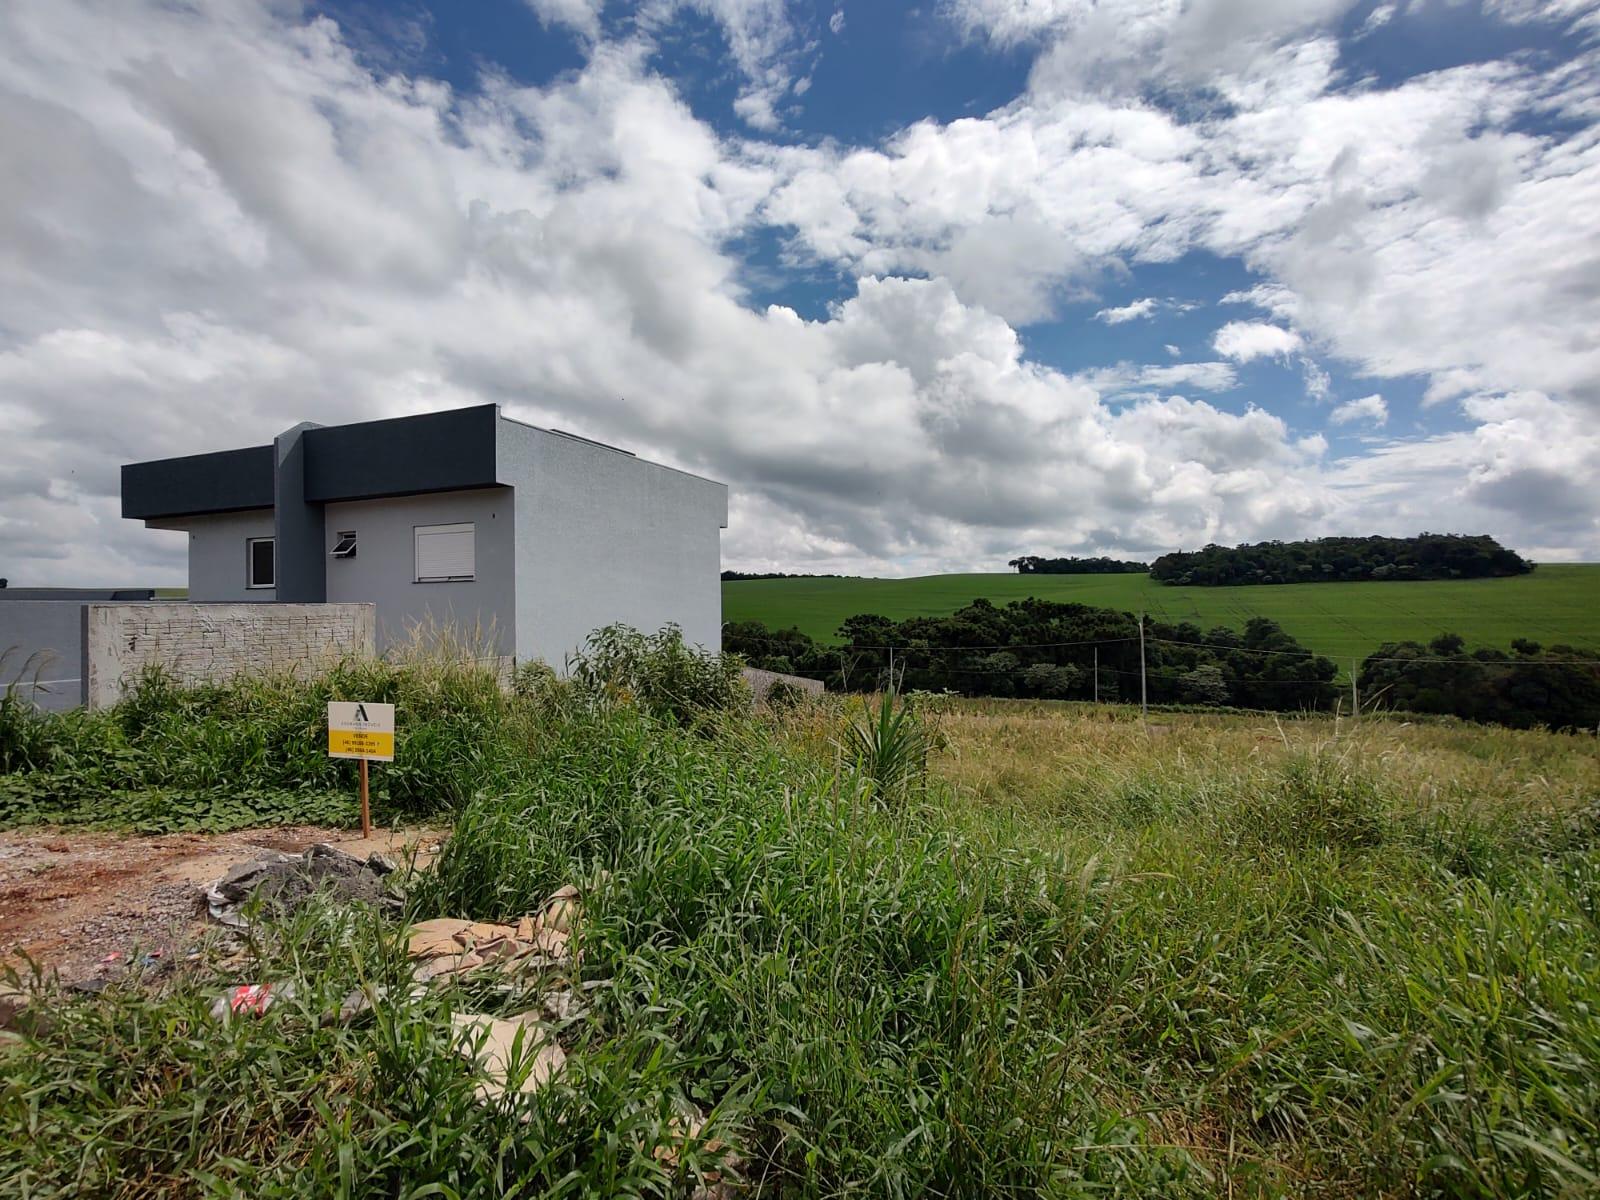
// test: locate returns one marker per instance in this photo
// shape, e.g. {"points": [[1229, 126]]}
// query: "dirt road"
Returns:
{"points": [[87, 904]]}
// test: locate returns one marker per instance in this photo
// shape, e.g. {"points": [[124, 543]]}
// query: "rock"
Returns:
{"points": [[286, 881], [241, 879]]}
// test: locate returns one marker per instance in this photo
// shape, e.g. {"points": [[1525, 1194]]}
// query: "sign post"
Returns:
{"points": [[362, 730]]}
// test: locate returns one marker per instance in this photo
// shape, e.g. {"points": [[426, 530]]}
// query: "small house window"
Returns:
{"points": [[260, 563], [445, 552], [345, 545]]}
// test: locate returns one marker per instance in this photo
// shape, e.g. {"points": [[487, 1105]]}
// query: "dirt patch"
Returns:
{"points": [[88, 905]]}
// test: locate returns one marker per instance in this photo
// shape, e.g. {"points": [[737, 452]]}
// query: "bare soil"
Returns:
{"points": [[89, 905]]}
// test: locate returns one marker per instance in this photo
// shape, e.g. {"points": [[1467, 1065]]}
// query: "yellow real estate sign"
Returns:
{"points": [[361, 729]]}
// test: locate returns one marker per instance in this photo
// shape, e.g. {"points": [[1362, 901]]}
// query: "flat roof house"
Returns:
{"points": [[463, 517]]}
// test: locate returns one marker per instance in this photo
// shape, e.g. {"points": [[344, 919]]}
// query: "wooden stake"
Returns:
{"points": [[366, 811]]}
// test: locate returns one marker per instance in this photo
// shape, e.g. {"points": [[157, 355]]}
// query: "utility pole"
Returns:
{"points": [[1144, 696]]}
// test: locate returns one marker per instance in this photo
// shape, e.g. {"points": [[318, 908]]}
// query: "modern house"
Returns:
{"points": [[466, 518]]}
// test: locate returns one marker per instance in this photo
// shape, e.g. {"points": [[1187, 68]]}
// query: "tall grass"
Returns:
{"points": [[224, 756], [1219, 959]]}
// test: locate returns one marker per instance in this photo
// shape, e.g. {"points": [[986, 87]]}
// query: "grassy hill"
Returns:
{"points": [[1557, 603]]}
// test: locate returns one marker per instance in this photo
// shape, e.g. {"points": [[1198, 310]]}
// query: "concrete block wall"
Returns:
{"points": [[212, 643]]}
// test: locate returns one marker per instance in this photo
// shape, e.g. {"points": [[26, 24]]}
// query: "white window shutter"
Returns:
{"points": [[446, 552]]}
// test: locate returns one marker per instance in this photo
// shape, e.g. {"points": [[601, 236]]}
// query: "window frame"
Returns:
{"points": [[446, 527], [343, 536], [250, 583]]}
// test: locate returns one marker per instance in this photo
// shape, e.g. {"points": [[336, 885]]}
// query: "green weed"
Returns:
{"points": [[889, 748], [1210, 958], [658, 672]]}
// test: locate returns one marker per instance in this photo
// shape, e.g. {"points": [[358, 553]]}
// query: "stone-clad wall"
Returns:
{"points": [[210, 643], [761, 682]]}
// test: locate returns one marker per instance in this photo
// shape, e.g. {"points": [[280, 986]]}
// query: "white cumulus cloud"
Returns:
{"points": [[1243, 341], [582, 16], [223, 219], [1368, 408], [1132, 311]]}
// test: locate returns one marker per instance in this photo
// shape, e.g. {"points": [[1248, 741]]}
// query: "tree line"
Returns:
{"points": [[1049, 650], [1342, 559], [732, 576], [1032, 564], [1528, 685]]}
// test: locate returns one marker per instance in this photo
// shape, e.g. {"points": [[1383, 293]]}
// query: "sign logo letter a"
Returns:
{"points": [[360, 714]]}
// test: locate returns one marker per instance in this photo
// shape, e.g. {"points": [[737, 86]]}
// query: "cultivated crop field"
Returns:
{"points": [[994, 949], [1557, 603]]}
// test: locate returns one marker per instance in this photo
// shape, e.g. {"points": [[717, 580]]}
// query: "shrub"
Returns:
{"points": [[1321, 801], [533, 679], [660, 673], [889, 748], [783, 695]]}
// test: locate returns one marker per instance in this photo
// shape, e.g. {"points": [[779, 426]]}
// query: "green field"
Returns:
{"points": [[1343, 620]]}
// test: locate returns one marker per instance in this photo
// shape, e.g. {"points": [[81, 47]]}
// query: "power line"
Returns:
{"points": [[1465, 660], [997, 645], [1215, 649], [1487, 662]]}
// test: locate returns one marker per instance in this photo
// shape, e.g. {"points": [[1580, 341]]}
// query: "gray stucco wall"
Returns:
{"points": [[384, 568], [217, 555], [605, 537], [52, 630]]}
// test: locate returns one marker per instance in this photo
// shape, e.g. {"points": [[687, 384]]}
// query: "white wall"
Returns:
{"points": [[605, 537], [384, 568], [217, 554]]}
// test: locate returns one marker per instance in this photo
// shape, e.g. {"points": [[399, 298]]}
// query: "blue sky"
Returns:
{"points": [[929, 286]]}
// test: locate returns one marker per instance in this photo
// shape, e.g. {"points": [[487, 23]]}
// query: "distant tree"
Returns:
{"points": [[1342, 559], [736, 576], [1041, 648], [1050, 682], [1204, 685], [1032, 564]]}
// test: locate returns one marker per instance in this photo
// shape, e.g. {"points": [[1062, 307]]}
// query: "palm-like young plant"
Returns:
{"points": [[890, 748]]}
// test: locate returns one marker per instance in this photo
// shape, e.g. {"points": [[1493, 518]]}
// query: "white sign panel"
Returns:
{"points": [[361, 729]]}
